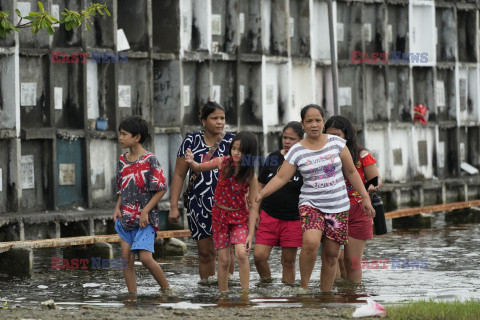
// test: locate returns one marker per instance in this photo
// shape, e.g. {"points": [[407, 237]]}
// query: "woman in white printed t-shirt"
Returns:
{"points": [[323, 161]]}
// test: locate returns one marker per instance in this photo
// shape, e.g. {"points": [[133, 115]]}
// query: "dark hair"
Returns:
{"points": [[310, 106], [342, 123], [135, 125], [295, 126], [208, 108], [248, 147]]}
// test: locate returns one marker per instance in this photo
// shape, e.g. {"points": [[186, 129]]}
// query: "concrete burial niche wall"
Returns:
{"points": [[302, 89], [350, 93], [250, 93], [320, 38], [399, 94], [223, 88], [422, 32], [7, 87], [446, 33], [447, 152], [196, 90], [35, 163], [445, 94], [467, 35], [299, 24], [376, 106], [224, 26], [167, 26], [101, 92], [7, 5], [401, 153], [4, 170], [70, 170], [397, 28], [166, 148], [27, 38], [134, 92], [423, 92], [376, 141], [34, 92], [103, 166], [275, 29], [67, 95], [102, 32], [423, 147], [275, 94], [349, 29], [63, 38], [324, 88], [133, 19], [468, 93], [374, 16], [200, 30], [472, 138], [166, 93], [250, 26]]}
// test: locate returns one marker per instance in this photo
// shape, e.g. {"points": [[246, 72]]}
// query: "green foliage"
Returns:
{"points": [[44, 19], [441, 310]]}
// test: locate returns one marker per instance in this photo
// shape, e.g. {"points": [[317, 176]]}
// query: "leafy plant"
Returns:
{"points": [[38, 20]]}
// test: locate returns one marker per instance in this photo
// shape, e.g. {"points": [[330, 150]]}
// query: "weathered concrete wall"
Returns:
{"points": [[399, 93], [34, 72], [374, 33], [34, 196], [133, 19], [349, 29], [28, 39], [223, 83], [324, 88], [135, 74], [197, 77], [4, 175], [224, 26], [250, 93], [103, 166], [64, 38], [377, 142], [166, 30], [299, 25], [422, 32], [250, 22], [446, 95], [467, 36], [302, 89], [376, 106], [320, 38], [275, 94], [402, 163], [102, 32], [69, 78], [350, 93], [166, 93], [423, 147], [423, 92], [446, 41], [70, 171], [201, 27], [398, 23], [7, 92]]}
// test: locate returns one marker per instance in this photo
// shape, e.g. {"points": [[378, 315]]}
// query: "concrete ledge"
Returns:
{"points": [[17, 262]]}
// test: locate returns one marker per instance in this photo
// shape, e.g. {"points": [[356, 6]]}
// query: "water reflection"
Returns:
{"points": [[452, 254]]}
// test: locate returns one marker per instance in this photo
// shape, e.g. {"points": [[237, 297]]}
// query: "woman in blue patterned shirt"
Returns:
{"points": [[199, 207]]}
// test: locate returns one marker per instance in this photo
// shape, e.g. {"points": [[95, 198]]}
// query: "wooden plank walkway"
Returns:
{"points": [[429, 209], [75, 241]]}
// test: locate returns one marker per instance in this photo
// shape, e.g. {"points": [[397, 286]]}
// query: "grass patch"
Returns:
{"points": [[436, 310]]}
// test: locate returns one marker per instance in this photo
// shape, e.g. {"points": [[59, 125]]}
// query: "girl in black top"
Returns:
{"points": [[279, 222]]}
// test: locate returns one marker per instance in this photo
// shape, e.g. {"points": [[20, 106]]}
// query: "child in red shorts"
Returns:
{"points": [[230, 216]]}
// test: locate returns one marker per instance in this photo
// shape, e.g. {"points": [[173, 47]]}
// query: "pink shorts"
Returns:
{"points": [[333, 225], [274, 232], [229, 227], [359, 224]]}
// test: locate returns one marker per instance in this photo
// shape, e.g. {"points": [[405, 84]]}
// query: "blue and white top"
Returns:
{"points": [[200, 199], [323, 182]]}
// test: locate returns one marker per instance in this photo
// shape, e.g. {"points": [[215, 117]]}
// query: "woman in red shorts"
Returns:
{"points": [[360, 227], [279, 223]]}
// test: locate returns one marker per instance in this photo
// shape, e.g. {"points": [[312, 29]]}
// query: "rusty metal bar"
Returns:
{"points": [[428, 209], [76, 241]]}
